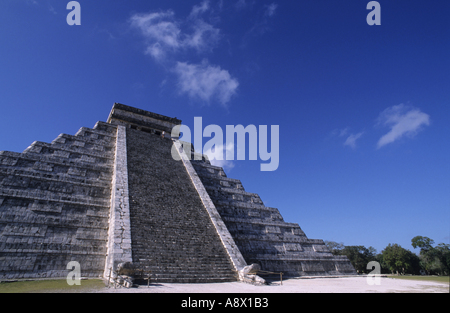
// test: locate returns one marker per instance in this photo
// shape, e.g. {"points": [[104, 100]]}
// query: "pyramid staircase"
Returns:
{"points": [[173, 238]]}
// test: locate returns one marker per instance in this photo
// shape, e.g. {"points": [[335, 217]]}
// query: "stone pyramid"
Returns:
{"points": [[114, 194]]}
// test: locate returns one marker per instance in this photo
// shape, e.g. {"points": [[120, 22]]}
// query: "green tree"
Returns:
{"points": [[434, 260], [424, 243], [397, 259], [439, 258], [359, 256], [443, 254], [415, 263]]}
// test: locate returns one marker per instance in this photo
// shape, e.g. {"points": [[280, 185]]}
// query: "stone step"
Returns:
{"points": [[105, 127], [55, 197], [95, 153], [274, 239], [211, 179], [29, 161], [55, 177], [174, 269], [109, 131], [189, 280], [207, 166], [217, 270], [227, 190], [274, 224]]}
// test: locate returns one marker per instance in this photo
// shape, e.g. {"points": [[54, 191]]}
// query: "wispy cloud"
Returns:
{"points": [[39, 3], [351, 140], [52, 9], [206, 82], [163, 34], [262, 24], [243, 4], [340, 132], [160, 31], [169, 40], [197, 10], [203, 38], [270, 9], [177, 43], [403, 121]]}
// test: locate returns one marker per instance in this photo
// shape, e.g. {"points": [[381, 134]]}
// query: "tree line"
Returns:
{"points": [[432, 259]]}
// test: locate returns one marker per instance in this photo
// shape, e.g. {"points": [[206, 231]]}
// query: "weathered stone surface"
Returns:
{"points": [[54, 205]]}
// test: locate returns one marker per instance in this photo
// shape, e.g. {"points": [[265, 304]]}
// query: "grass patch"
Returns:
{"points": [[437, 279], [53, 286]]}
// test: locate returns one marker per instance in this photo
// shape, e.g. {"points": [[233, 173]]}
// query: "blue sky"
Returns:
{"points": [[363, 110]]}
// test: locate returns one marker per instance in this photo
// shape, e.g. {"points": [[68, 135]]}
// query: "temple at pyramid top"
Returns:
{"points": [[146, 121]]}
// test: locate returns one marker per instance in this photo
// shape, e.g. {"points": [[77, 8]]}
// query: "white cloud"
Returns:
{"points": [[203, 38], [199, 9], [403, 121], [351, 140], [172, 41], [206, 82], [160, 30], [345, 132], [163, 33]]}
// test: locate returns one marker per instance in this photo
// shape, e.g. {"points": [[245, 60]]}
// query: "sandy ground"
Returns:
{"points": [[317, 285]]}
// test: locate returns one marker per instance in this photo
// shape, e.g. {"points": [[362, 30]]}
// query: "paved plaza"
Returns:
{"points": [[317, 285]]}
